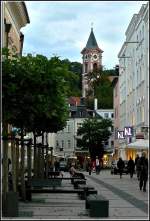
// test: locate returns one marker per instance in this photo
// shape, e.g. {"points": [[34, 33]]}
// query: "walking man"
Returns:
{"points": [[131, 166], [120, 165], [97, 165], [143, 172], [137, 167]]}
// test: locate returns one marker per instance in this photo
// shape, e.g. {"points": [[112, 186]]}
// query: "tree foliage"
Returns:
{"points": [[74, 79], [94, 132], [101, 89], [34, 93]]}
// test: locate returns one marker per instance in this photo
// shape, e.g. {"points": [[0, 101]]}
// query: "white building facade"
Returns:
{"points": [[134, 79], [65, 140]]}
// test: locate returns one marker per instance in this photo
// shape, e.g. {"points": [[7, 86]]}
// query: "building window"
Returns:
{"points": [[112, 115], [79, 125], [106, 143], [86, 68], [57, 144], [116, 91], [112, 143], [62, 143], [115, 112], [106, 115], [95, 66], [69, 144], [81, 113], [143, 114], [68, 128]]}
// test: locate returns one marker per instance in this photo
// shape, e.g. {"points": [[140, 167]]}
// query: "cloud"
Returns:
{"points": [[63, 28]]}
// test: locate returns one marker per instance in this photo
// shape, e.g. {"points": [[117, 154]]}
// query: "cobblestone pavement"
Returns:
{"points": [[126, 201]]}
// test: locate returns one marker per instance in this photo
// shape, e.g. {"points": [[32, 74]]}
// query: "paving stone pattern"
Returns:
{"points": [[126, 201]]}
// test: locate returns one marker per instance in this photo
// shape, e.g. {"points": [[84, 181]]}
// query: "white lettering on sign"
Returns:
{"points": [[127, 131], [120, 134]]}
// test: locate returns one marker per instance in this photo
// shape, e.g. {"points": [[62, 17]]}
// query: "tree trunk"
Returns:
{"points": [[46, 155], [5, 168], [39, 161], [17, 163], [42, 157], [13, 161], [35, 156], [23, 192], [29, 162]]}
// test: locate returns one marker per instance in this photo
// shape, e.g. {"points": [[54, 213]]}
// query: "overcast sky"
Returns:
{"points": [[62, 28]]}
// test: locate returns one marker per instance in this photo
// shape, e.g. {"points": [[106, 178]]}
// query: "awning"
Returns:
{"points": [[139, 144]]}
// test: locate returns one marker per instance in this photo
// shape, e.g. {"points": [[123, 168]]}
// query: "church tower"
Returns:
{"points": [[92, 60]]}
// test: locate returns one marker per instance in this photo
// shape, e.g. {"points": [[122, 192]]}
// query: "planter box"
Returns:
{"points": [[10, 205], [98, 206]]}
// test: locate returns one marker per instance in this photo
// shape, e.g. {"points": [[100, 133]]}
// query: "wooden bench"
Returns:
{"points": [[41, 183], [86, 192], [77, 182], [84, 186], [57, 190], [82, 192], [66, 178], [98, 206], [53, 173]]}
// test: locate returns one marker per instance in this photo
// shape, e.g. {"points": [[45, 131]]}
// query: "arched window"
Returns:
{"points": [[86, 68], [95, 66]]}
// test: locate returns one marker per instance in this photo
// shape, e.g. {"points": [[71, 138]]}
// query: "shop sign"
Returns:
{"points": [[127, 132]]}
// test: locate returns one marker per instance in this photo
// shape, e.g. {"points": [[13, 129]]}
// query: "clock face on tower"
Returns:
{"points": [[95, 57]]}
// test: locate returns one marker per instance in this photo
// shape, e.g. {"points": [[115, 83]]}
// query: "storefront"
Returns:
{"points": [[137, 148]]}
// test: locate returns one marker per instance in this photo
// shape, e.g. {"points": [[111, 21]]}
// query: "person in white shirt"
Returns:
{"points": [[97, 165]]}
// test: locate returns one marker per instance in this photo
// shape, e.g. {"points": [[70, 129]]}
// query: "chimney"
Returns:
{"points": [[95, 103]]}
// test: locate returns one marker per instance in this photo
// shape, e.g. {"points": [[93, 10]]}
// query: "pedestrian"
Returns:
{"points": [[137, 168], [120, 165], [90, 167], [131, 166], [57, 165], [97, 165], [143, 171]]}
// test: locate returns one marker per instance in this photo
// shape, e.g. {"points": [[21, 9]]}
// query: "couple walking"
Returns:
{"points": [[141, 164]]}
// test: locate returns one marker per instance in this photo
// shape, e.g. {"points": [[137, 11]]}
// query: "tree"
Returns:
{"points": [[34, 95], [74, 79], [94, 132], [101, 88]]}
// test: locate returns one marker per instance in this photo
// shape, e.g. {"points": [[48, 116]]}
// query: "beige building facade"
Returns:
{"points": [[14, 17]]}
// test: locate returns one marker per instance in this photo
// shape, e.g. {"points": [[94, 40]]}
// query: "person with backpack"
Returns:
{"points": [[143, 171], [120, 165]]}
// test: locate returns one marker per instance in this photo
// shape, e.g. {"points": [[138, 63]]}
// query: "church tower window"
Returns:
{"points": [[95, 67]]}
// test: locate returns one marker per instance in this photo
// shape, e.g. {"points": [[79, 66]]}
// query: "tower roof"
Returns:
{"points": [[91, 43]]}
